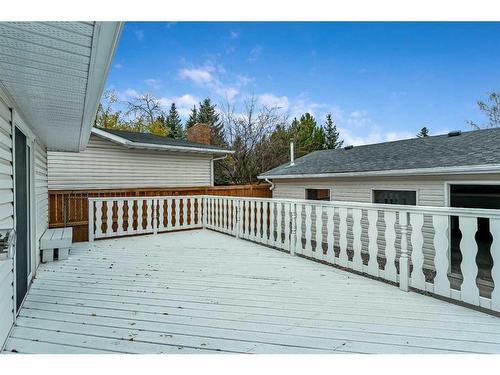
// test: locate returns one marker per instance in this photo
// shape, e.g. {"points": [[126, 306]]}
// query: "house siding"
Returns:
{"points": [[6, 220], [41, 194], [107, 165], [6, 171], [430, 192]]}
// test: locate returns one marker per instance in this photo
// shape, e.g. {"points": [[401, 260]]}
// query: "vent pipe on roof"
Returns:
{"points": [[292, 157], [454, 133]]}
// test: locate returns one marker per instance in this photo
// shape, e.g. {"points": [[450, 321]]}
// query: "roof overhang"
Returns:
{"points": [[53, 74], [151, 146], [475, 169]]}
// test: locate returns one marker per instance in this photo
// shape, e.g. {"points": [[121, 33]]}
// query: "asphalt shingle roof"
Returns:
{"points": [[157, 139], [479, 147]]}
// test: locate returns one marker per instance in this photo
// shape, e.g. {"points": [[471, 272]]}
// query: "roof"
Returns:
{"points": [[469, 151], [53, 74], [151, 141]]}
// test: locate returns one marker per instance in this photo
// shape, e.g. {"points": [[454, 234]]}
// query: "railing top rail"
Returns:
{"points": [[429, 210]]}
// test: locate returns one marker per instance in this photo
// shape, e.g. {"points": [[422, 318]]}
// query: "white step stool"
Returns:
{"points": [[58, 238]]}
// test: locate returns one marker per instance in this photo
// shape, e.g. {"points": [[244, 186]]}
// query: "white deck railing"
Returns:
{"points": [[408, 245]]}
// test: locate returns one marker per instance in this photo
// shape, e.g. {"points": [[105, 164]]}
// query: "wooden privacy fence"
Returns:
{"points": [[331, 232], [69, 208]]}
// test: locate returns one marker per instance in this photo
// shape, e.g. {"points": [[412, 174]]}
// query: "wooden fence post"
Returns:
{"points": [[293, 234], [404, 260]]}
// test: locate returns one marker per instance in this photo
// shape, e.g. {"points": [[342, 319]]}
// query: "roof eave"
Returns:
{"points": [[104, 42], [474, 169], [151, 146]]}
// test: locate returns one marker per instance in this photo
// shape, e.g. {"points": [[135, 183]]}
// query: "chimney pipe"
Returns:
{"points": [[292, 157]]}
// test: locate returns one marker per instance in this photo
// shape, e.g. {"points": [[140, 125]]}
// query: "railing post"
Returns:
{"points": [[90, 219], [238, 217], [204, 214], [293, 234], [154, 205], [404, 260]]}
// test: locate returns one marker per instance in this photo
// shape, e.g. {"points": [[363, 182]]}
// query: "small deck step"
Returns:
{"points": [[57, 238]]}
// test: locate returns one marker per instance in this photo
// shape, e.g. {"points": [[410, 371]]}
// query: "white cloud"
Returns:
{"points": [[271, 100], [255, 53], [199, 76], [210, 76], [184, 103], [139, 34], [154, 83], [243, 80], [233, 34], [127, 94], [118, 66], [374, 135]]}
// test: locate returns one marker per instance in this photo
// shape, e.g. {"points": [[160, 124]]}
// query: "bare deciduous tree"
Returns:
{"points": [[491, 110], [145, 109], [247, 131]]}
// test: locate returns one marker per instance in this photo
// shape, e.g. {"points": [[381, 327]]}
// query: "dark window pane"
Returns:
{"points": [[318, 194], [405, 197]]}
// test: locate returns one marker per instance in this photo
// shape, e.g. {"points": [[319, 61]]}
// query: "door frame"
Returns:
{"points": [[18, 123]]}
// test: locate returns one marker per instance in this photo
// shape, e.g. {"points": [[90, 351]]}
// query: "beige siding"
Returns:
{"points": [[430, 192], [41, 194], [106, 165]]}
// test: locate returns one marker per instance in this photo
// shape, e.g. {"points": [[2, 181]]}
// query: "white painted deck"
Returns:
{"points": [[205, 292]]}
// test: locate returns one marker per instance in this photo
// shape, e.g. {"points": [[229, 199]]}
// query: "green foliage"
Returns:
{"points": [[258, 135], [159, 127], [424, 132], [193, 118], [332, 135], [307, 135], [174, 123], [491, 110], [107, 117]]}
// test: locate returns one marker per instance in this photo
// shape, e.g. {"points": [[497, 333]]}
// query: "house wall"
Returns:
{"points": [[431, 191], [41, 194], [6, 221], [39, 205], [107, 165]]}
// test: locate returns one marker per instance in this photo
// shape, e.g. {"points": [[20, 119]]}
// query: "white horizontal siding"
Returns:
{"points": [[41, 194], [430, 192], [106, 165], [6, 220], [6, 180]]}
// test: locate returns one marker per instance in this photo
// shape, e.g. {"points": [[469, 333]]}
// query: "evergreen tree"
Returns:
{"points": [[424, 132], [173, 123], [193, 118], [306, 133], [207, 114], [332, 136]]}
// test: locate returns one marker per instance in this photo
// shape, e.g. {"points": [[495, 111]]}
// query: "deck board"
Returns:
{"points": [[205, 292]]}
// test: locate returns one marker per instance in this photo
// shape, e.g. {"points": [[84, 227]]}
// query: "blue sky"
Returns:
{"points": [[381, 81]]}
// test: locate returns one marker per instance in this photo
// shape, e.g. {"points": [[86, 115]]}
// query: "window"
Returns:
{"points": [[474, 196], [318, 194], [406, 197]]}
